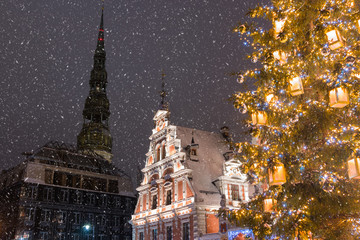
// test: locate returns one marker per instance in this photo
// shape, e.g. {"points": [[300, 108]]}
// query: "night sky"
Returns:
{"points": [[46, 55]]}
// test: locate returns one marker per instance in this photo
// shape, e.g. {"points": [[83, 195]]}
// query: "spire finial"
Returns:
{"points": [[192, 137], [163, 104], [100, 42]]}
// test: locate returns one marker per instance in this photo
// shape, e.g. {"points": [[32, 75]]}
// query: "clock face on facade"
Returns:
{"points": [[160, 124]]}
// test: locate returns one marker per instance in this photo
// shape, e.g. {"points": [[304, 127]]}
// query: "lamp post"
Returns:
{"points": [[88, 227]]}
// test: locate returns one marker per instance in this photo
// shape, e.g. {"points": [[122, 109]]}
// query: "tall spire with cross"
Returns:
{"points": [[95, 135]]}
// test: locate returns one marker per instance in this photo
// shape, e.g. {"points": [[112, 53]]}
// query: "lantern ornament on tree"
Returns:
{"points": [[277, 175], [339, 97], [271, 98], [334, 39], [281, 56], [353, 167], [358, 24], [296, 87], [269, 204], [279, 26], [259, 118]]}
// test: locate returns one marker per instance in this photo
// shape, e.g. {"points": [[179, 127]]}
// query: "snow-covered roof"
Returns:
{"points": [[210, 152]]}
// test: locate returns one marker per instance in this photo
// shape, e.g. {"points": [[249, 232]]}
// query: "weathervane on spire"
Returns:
{"points": [[163, 104]]}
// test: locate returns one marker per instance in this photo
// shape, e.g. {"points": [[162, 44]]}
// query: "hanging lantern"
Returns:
{"points": [[281, 56], [271, 98], [353, 168], [259, 118], [269, 204], [277, 175], [339, 97], [334, 39], [296, 87], [279, 26]]}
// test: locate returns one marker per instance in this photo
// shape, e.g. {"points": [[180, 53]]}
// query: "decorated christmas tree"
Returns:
{"points": [[305, 121]]}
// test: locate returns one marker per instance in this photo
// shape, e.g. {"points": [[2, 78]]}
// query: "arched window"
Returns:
{"points": [[163, 151], [158, 149]]}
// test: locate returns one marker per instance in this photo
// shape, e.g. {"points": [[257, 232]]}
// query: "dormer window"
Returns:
{"points": [[193, 152]]}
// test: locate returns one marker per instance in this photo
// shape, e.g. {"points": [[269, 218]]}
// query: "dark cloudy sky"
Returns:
{"points": [[46, 55]]}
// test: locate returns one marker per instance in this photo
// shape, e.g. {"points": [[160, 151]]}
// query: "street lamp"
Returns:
{"points": [[88, 227]]}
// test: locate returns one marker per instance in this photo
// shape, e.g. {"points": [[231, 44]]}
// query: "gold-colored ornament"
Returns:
{"points": [[269, 204], [334, 39], [325, 13], [277, 175], [242, 29], [283, 37], [339, 97], [358, 24], [296, 87], [259, 118], [354, 168]]}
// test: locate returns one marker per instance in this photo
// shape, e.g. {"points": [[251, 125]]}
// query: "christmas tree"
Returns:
{"points": [[305, 121]]}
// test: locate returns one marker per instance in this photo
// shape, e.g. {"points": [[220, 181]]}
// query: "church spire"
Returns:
{"points": [[95, 135], [163, 104]]}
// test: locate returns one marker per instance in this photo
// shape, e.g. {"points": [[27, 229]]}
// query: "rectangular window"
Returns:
{"points": [[168, 197], [61, 217], [186, 231], [30, 214], [117, 221], [61, 236], [117, 202], [235, 192], [154, 202], [31, 192], [45, 215], [78, 197], [90, 218], [91, 199], [77, 218], [75, 236], [44, 236], [154, 234], [103, 200], [48, 176], [64, 195], [141, 236], [47, 194], [169, 233], [102, 220]]}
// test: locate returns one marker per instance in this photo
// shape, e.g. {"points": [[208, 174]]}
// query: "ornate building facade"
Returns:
{"points": [[62, 192], [186, 175]]}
